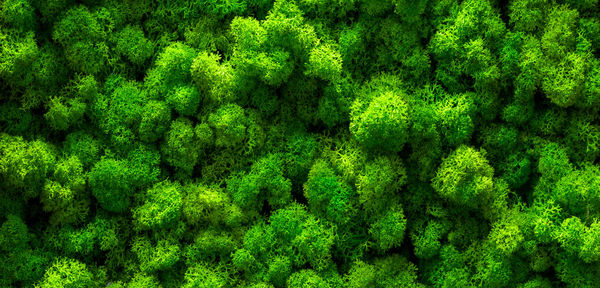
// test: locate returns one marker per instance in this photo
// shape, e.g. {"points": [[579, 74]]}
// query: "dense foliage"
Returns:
{"points": [[302, 143]]}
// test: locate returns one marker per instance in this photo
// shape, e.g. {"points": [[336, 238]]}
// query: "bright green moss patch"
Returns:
{"points": [[300, 143]]}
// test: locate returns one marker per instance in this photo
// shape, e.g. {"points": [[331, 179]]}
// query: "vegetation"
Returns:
{"points": [[301, 143]]}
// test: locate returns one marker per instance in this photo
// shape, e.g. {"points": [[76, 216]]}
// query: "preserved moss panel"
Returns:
{"points": [[302, 143]]}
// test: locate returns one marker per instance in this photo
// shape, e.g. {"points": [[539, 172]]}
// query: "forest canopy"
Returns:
{"points": [[301, 143]]}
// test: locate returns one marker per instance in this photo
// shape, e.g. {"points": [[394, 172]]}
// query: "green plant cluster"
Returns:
{"points": [[301, 143]]}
